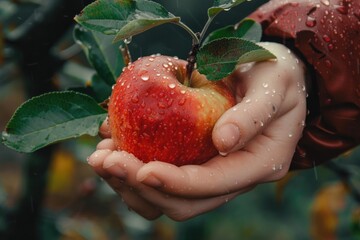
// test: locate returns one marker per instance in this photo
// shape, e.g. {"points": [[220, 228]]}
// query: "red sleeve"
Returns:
{"points": [[326, 34]]}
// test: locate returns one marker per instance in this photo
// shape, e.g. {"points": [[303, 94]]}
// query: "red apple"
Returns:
{"points": [[154, 116]]}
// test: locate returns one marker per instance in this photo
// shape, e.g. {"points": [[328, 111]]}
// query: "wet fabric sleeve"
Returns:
{"points": [[326, 35]]}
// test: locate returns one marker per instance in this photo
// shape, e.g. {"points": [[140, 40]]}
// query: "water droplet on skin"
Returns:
{"points": [[265, 85], [328, 63], [302, 123], [165, 65], [172, 85], [145, 77], [274, 167], [224, 154], [326, 38], [331, 46], [290, 135], [247, 100]]}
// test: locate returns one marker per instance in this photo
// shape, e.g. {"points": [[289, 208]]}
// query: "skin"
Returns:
{"points": [[256, 138]]}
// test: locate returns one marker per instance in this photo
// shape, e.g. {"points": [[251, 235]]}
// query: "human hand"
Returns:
{"points": [[257, 137]]}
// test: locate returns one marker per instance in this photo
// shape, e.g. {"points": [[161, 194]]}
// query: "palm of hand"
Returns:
{"points": [[258, 137]]}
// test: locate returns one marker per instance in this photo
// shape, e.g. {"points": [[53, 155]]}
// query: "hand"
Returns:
{"points": [[257, 139]]}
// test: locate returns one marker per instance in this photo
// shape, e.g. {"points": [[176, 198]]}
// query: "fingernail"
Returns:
{"points": [[152, 181], [227, 136], [97, 157]]}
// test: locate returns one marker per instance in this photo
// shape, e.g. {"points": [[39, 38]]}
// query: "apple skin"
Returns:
{"points": [[155, 117]]}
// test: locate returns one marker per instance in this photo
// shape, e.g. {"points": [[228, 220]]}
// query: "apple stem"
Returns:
{"points": [[125, 52], [191, 62]]}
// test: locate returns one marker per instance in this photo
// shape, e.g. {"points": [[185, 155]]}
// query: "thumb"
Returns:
{"points": [[251, 116]]}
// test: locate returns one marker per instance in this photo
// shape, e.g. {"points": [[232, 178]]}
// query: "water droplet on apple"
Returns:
{"points": [[172, 85], [182, 101], [165, 65], [265, 84], [161, 105], [170, 102], [325, 2], [145, 77], [135, 99]]}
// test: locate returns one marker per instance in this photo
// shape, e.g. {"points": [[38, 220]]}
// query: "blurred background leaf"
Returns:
{"points": [[76, 204]]}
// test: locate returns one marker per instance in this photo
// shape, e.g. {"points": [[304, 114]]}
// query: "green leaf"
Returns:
{"points": [[97, 89], [218, 58], [124, 18], [223, 5], [102, 54], [247, 29], [52, 117]]}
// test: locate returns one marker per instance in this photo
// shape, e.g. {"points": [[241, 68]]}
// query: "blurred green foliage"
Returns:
{"points": [[78, 205]]}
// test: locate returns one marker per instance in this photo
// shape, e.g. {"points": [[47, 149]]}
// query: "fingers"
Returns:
{"points": [[148, 201], [266, 157], [106, 164], [180, 209], [106, 143], [104, 130], [237, 172], [266, 91], [248, 118]]}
